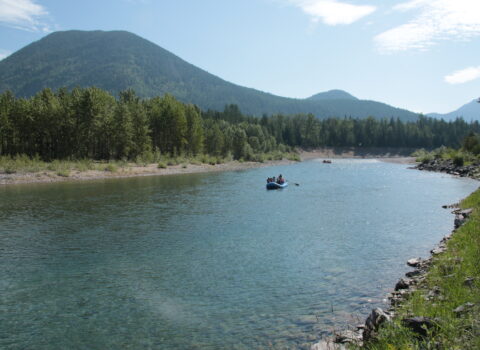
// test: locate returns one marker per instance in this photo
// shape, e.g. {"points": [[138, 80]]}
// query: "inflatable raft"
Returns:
{"points": [[276, 186]]}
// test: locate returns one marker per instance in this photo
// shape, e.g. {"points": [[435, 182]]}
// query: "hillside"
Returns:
{"points": [[118, 60], [469, 112]]}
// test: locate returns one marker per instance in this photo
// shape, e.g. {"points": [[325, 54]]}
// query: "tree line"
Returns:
{"points": [[91, 123]]}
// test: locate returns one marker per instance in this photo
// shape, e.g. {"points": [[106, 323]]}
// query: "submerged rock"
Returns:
{"points": [[327, 345]]}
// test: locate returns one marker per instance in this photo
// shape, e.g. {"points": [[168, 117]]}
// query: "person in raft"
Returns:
{"points": [[280, 179]]}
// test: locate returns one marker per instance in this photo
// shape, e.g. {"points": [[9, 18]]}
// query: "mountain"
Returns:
{"points": [[333, 95], [119, 60], [469, 112]]}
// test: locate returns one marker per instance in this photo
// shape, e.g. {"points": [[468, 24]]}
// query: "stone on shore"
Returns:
{"points": [[403, 283], [420, 325], [414, 262], [376, 318], [462, 309]]}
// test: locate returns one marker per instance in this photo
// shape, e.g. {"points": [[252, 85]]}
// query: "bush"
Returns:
{"points": [[162, 165], [111, 167], [458, 160], [64, 173]]}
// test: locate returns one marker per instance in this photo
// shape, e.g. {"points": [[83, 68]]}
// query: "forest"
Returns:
{"points": [[90, 123]]}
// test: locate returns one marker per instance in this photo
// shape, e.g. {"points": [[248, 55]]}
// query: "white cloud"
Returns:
{"points": [[23, 14], [435, 20], [4, 54], [333, 12], [463, 75]]}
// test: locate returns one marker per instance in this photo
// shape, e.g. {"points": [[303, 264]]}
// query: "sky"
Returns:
{"points": [[422, 55]]}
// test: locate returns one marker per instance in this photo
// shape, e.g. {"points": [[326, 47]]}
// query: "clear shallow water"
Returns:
{"points": [[212, 261]]}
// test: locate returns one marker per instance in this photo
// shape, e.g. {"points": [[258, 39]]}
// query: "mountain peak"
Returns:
{"points": [[120, 60], [333, 95]]}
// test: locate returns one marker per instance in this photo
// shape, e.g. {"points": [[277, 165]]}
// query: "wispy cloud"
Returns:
{"points": [[4, 54], [463, 75], [333, 12], [23, 14], [435, 20]]}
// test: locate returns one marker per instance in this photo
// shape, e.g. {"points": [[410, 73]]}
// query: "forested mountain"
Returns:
{"points": [[469, 112], [118, 60]]}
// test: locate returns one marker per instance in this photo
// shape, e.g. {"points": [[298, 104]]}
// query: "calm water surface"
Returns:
{"points": [[212, 261]]}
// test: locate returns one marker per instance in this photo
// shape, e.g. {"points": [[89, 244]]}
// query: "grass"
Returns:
{"points": [[24, 164], [448, 272], [458, 156]]}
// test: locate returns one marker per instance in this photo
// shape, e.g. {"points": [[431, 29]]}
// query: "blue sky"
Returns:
{"points": [[423, 55]]}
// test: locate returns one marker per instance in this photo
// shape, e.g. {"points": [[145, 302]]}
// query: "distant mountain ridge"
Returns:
{"points": [[119, 60], [333, 95], [469, 112]]}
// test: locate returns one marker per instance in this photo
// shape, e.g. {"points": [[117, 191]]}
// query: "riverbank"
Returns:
{"points": [[393, 155], [89, 170], [107, 171], [435, 306]]}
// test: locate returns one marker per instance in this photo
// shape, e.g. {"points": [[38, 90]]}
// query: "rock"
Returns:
{"points": [[348, 337], [327, 345], [306, 320], [376, 318], [420, 325], [437, 250], [469, 281], [462, 309], [413, 273], [403, 283], [459, 220], [434, 292], [414, 262]]}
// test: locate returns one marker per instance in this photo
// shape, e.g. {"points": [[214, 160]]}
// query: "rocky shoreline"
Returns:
{"points": [[448, 166], [412, 281]]}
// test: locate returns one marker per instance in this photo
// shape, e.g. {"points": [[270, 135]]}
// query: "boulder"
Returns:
{"points": [[413, 273], [348, 336], [376, 318], [327, 345], [420, 325], [414, 262], [403, 283]]}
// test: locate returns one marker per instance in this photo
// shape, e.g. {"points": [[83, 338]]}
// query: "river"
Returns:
{"points": [[212, 261]]}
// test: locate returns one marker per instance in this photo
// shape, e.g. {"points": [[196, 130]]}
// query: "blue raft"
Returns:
{"points": [[276, 186]]}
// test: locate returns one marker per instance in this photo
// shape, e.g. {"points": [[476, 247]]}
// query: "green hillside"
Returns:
{"points": [[118, 60]]}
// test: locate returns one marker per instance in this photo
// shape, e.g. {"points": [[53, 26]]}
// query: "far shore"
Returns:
{"points": [[133, 170]]}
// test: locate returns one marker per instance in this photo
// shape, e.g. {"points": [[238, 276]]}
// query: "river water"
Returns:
{"points": [[212, 261]]}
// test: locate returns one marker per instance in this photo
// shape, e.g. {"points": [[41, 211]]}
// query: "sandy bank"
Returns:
{"points": [[131, 171], [392, 155]]}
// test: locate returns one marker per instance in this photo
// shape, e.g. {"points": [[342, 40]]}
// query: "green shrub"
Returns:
{"points": [[63, 173], [162, 165], [111, 167], [458, 160]]}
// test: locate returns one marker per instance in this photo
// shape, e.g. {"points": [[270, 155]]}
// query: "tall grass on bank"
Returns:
{"points": [[460, 157], [455, 274], [25, 164]]}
